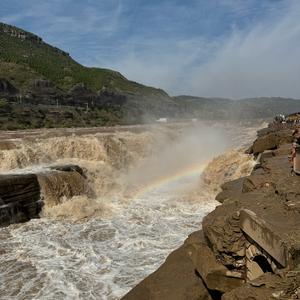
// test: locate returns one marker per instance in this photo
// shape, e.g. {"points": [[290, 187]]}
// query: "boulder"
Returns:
{"points": [[222, 229], [267, 142], [231, 190], [214, 274]]}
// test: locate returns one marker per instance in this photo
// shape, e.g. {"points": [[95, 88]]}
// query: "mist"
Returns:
{"points": [[191, 149]]}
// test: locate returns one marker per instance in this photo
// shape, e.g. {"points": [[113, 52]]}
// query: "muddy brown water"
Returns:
{"points": [[148, 196]]}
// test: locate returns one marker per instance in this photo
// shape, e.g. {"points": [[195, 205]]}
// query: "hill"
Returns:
{"points": [[43, 86], [228, 109], [35, 72], [26, 57]]}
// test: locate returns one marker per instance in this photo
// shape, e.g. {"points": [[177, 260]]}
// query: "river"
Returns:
{"points": [[99, 247]]}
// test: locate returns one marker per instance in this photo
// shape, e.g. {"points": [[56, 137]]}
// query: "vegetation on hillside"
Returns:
{"points": [[26, 57], [35, 77]]}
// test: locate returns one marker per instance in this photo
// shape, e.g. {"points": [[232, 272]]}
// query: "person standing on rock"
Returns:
{"points": [[295, 147]]}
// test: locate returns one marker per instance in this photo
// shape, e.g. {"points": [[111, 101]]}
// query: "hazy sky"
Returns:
{"points": [[227, 48]]}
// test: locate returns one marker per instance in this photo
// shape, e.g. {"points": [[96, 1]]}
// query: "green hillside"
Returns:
{"points": [[25, 56]]}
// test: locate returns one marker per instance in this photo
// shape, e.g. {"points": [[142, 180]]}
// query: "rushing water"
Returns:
{"points": [[104, 255]]}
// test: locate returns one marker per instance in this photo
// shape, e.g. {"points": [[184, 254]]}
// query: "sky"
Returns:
{"points": [[210, 48]]}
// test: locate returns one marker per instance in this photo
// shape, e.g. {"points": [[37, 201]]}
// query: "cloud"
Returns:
{"points": [[224, 48], [265, 61], [261, 59]]}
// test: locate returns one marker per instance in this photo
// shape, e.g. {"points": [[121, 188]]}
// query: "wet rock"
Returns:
{"points": [[20, 195], [174, 280]]}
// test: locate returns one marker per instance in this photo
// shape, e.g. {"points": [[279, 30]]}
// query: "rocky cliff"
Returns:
{"points": [[249, 247]]}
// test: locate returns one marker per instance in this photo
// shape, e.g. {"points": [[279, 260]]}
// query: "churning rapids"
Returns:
{"points": [[146, 189]]}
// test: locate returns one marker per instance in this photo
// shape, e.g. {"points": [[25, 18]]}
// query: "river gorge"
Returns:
{"points": [[143, 190]]}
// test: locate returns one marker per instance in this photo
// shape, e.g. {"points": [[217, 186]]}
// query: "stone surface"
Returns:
{"points": [[230, 190], [221, 228], [267, 142], [215, 275], [262, 234], [174, 280]]}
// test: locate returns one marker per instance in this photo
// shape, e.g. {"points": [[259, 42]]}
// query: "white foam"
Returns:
{"points": [[101, 256]]}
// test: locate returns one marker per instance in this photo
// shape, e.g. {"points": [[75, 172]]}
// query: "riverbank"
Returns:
{"points": [[249, 247]]}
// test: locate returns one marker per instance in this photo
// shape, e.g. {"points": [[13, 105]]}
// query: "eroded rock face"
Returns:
{"points": [[214, 274], [22, 196], [19, 198], [43, 92], [225, 236], [80, 90]]}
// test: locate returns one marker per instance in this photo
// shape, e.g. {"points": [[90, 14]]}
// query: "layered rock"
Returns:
{"points": [[22, 196], [19, 198]]}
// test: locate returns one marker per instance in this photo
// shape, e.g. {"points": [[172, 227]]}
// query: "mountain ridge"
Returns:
{"points": [[37, 75]]}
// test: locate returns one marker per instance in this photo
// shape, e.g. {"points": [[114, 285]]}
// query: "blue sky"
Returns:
{"points": [[228, 48]]}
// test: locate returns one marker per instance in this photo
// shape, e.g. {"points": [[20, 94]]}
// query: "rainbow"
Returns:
{"points": [[195, 169]]}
